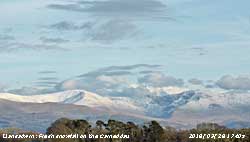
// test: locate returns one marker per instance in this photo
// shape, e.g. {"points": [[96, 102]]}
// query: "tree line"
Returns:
{"points": [[148, 132]]}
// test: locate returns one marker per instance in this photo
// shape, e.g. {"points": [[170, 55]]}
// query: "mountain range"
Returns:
{"points": [[180, 109]]}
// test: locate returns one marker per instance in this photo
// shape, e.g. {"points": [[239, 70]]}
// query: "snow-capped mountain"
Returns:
{"points": [[166, 104], [159, 105], [76, 97]]}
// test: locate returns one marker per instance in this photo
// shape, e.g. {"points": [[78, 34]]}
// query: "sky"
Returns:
{"points": [[56, 40]]}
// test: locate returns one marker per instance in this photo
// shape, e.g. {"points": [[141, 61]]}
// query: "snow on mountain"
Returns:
{"points": [[175, 106], [77, 97], [165, 104], [161, 102]]}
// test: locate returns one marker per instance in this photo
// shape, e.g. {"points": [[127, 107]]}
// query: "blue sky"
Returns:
{"points": [[189, 38]]}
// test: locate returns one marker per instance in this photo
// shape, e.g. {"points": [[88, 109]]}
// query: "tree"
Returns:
{"points": [[157, 133], [99, 124]]}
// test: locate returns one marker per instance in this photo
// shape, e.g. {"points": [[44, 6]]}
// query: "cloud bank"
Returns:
{"points": [[129, 9], [160, 80], [229, 82]]}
